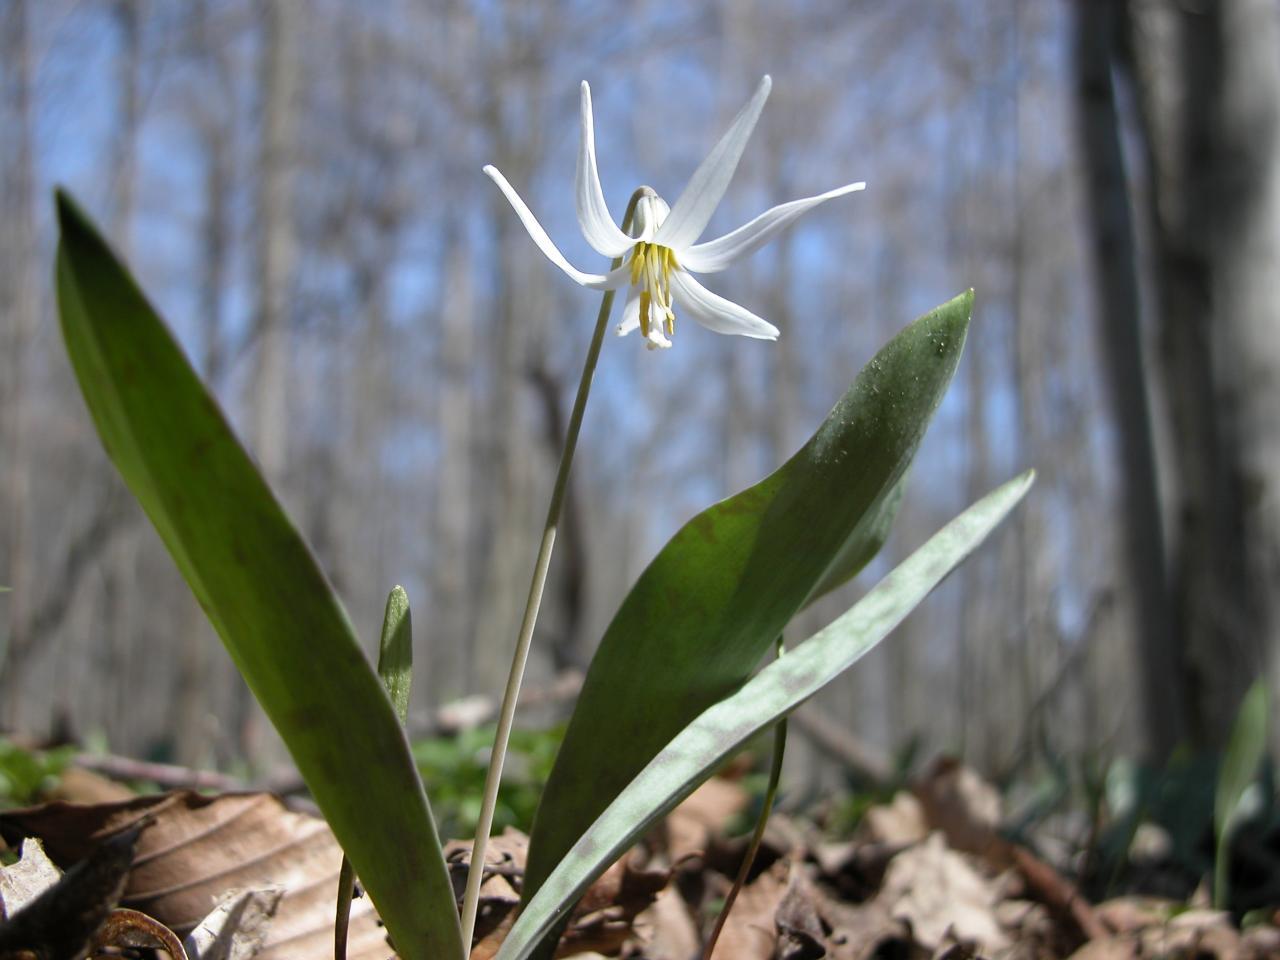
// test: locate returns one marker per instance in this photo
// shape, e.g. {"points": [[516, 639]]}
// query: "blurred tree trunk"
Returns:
{"points": [[1208, 89], [1247, 234], [215, 130], [124, 166], [20, 306], [455, 568], [123, 629], [278, 68], [1118, 313], [276, 243]]}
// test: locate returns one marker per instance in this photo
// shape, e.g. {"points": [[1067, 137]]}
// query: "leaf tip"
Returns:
{"points": [[69, 212]]}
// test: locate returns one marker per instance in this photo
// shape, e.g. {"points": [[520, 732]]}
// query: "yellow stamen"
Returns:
{"points": [[651, 269]]}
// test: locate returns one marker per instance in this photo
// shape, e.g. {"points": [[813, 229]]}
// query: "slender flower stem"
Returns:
{"points": [[475, 876], [771, 793]]}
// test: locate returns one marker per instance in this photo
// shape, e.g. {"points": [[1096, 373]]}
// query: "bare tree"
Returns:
{"points": [[1208, 88], [20, 304], [1119, 316]]}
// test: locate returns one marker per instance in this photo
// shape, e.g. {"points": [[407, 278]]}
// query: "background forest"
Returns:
{"points": [[299, 187]]}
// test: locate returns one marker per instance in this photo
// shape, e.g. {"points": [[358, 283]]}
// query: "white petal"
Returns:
{"points": [[593, 213], [630, 314], [631, 321], [595, 281], [715, 312], [651, 210], [692, 212], [719, 253]]}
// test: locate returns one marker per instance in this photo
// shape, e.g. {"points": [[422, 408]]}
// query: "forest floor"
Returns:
{"points": [[928, 874]]}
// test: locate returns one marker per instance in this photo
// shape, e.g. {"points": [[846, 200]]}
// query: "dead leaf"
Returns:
{"points": [[939, 894], [78, 785], [800, 933], [750, 932], [865, 931], [706, 812], [22, 882], [236, 928], [59, 922], [199, 848], [604, 918], [1077, 918], [1108, 948], [665, 930], [899, 823], [967, 809]]}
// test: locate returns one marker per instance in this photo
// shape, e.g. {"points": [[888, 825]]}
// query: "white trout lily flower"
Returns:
{"points": [[660, 260]]}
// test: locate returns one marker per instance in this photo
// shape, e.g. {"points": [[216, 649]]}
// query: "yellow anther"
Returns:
{"points": [[644, 312]]}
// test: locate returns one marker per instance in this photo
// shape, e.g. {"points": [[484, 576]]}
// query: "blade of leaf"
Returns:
{"points": [[395, 652], [695, 753], [257, 581], [704, 612], [1239, 766], [395, 670]]}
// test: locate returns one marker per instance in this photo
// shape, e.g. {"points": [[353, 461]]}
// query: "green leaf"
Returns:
{"points": [[395, 652], [259, 584], [774, 692], [1239, 766], [700, 618]]}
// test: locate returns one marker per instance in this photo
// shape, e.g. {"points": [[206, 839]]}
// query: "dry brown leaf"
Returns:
{"points": [[62, 919], [22, 882], [236, 929], [1131, 913], [1261, 942], [751, 932], [666, 931], [1108, 948], [800, 933], [78, 785], [899, 823], [940, 895], [1204, 934], [967, 809], [864, 931], [200, 848], [602, 920], [706, 812]]}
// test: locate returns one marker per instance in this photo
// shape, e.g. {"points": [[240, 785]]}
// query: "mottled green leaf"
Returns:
{"points": [[695, 752], [259, 584]]}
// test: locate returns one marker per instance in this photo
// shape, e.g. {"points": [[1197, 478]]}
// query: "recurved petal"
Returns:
{"points": [[692, 212], [597, 224], [719, 253], [595, 281], [630, 314], [715, 312]]}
